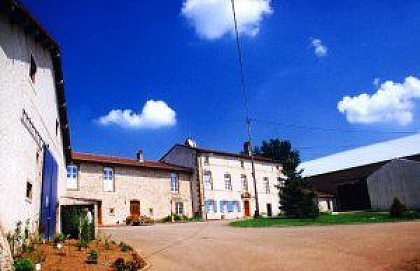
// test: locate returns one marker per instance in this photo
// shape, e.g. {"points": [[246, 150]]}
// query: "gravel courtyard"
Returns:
{"points": [[217, 246]]}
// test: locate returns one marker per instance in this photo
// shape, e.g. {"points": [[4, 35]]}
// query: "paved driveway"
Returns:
{"points": [[216, 246]]}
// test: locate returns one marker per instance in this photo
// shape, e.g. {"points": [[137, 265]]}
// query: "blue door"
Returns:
{"points": [[48, 195]]}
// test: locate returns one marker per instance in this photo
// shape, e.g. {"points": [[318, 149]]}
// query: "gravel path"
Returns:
{"points": [[216, 246]]}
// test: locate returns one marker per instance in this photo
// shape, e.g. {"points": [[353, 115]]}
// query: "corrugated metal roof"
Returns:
{"points": [[384, 151]]}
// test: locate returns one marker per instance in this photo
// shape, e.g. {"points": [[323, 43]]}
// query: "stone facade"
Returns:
{"points": [[6, 259], [21, 156], [149, 186], [219, 201]]}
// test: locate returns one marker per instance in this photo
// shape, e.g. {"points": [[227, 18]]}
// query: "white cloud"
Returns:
{"points": [[320, 50], [212, 19], [392, 102], [155, 114]]}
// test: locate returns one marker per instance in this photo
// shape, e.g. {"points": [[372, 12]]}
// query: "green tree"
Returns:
{"points": [[297, 197], [280, 151]]}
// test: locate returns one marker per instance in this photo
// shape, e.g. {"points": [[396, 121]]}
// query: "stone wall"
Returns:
{"points": [[6, 259], [149, 186]]}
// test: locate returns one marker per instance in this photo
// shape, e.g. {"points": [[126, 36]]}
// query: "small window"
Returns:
{"points": [[111, 211], [57, 126], [208, 181], [32, 69], [281, 182], [174, 183], [108, 179], [179, 208], [72, 182], [151, 213], [267, 185], [244, 182], [228, 182], [242, 164], [206, 160], [29, 190]]}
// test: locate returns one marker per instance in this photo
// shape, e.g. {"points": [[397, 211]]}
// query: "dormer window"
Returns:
{"points": [[32, 69]]}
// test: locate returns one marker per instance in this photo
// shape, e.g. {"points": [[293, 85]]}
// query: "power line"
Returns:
{"points": [[248, 119], [329, 129]]}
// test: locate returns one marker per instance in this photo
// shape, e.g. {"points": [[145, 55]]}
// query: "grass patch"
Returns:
{"points": [[326, 219]]}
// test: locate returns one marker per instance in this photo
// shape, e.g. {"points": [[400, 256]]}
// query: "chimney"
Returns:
{"points": [[140, 156], [247, 148]]}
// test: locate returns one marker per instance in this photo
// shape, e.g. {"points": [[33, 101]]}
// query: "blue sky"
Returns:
{"points": [[301, 59]]}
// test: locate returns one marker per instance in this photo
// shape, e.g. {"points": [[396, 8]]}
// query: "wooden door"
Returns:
{"points": [[100, 213], [135, 208], [246, 208]]}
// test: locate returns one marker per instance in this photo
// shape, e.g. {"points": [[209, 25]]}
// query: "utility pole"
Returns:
{"points": [[248, 119]]}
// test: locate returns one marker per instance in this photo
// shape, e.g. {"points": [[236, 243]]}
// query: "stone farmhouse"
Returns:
{"points": [[115, 188], [34, 131], [222, 183]]}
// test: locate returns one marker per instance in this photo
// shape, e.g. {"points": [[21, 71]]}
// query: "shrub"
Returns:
{"points": [[131, 265], [59, 238], [119, 264], [397, 209], [93, 256], [82, 243], [125, 247], [23, 265], [128, 220]]}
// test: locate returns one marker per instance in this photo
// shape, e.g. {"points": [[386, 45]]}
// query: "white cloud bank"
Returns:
{"points": [[154, 115], [392, 102], [320, 50], [212, 19]]}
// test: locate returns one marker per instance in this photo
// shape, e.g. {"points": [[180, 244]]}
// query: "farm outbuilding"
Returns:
{"points": [[370, 176], [399, 178]]}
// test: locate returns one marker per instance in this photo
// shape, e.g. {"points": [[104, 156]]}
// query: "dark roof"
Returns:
{"points": [[18, 15], [223, 153], [112, 160]]}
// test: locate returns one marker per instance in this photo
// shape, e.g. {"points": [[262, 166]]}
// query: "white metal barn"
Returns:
{"points": [[398, 178]]}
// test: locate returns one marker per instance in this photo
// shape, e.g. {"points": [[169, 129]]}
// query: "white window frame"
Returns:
{"points": [[174, 185], [206, 160], [228, 181], [267, 185], [244, 183], [73, 177], [108, 176], [281, 181], [208, 180], [179, 208]]}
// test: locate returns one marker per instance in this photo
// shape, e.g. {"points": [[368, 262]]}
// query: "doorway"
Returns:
{"points": [[269, 210], [100, 213], [134, 209], [246, 208]]}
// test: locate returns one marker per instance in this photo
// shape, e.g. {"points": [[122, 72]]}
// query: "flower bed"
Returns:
{"points": [[70, 256]]}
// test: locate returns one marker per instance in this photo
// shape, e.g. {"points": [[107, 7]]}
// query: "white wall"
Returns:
{"points": [[18, 156], [219, 165], [398, 178]]}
